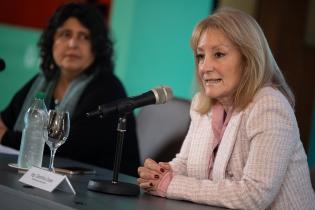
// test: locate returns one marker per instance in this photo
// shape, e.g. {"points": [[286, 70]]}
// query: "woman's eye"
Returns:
{"points": [[219, 54], [84, 37], [64, 34], [199, 57]]}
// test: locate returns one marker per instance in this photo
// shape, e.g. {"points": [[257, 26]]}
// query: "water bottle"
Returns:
{"points": [[34, 134]]}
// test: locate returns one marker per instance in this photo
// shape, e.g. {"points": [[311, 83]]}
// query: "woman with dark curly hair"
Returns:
{"points": [[77, 75]]}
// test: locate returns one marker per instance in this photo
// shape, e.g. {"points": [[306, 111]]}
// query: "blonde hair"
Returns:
{"points": [[259, 68]]}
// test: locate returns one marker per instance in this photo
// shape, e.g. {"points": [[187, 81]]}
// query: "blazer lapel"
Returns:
{"points": [[226, 147], [198, 161]]}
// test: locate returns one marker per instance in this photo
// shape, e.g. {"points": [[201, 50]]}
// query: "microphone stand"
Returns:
{"points": [[114, 186]]}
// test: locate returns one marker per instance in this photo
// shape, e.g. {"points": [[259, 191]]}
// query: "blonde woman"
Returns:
{"points": [[243, 149]]}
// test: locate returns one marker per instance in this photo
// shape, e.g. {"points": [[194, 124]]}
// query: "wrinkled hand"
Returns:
{"points": [[150, 175]]}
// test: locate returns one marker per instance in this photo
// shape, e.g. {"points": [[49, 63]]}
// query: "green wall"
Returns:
{"points": [[18, 49], [152, 43]]}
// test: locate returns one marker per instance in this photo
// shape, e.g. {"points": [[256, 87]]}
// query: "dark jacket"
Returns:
{"points": [[91, 140]]}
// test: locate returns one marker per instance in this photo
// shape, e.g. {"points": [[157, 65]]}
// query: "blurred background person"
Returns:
{"points": [[76, 75], [243, 147]]}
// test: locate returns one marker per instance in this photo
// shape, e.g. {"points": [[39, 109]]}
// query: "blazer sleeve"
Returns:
{"points": [[272, 131]]}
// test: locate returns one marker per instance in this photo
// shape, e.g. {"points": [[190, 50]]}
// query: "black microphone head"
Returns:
{"points": [[2, 64], [162, 94]]}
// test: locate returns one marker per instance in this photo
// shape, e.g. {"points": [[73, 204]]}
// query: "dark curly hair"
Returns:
{"points": [[90, 17]]}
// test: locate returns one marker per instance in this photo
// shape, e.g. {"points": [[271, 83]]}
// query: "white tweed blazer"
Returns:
{"points": [[260, 163]]}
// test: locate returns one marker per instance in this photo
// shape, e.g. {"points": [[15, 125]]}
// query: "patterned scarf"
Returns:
{"points": [[68, 103]]}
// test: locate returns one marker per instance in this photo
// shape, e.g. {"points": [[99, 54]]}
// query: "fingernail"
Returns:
{"points": [[162, 170], [151, 184], [156, 176]]}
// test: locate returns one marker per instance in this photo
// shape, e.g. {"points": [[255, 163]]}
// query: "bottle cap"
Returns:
{"points": [[40, 95]]}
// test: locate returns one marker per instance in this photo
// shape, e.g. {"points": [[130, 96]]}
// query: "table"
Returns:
{"points": [[16, 195], [8, 150]]}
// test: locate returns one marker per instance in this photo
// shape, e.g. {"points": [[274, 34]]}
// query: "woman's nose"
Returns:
{"points": [[206, 65], [73, 42]]}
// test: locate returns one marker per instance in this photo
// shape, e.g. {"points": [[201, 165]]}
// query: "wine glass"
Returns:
{"points": [[58, 130]]}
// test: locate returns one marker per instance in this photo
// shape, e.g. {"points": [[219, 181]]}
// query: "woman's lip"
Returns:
{"points": [[212, 81], [72, 56], [208, 79]]}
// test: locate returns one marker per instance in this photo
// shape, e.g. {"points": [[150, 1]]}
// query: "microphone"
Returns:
{"points": [[2, 64], [158, 95]]}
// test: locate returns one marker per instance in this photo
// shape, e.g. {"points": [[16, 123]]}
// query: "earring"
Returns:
{"points": [[52, 66]]}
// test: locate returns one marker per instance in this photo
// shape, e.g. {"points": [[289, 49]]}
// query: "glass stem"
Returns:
{"points": [[52, 158]]}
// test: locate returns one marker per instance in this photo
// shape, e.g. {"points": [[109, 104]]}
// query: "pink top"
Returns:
{"points": [[220, 119]]}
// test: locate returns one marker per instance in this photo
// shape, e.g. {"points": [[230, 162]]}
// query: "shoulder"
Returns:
{"points": [[12, 110], [22, 92], [270, 109], [271, 97], [107, 79], [30, 82], [107, 84], [195, 102], [104, 88]]}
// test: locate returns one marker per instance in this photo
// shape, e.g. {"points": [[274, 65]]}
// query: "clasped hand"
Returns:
{"points": [[151, 174]]}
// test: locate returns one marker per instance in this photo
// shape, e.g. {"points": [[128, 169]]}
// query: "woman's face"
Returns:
{"points": [[219, 65], [72, 48]]}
